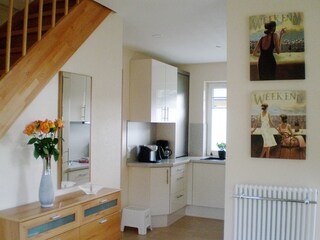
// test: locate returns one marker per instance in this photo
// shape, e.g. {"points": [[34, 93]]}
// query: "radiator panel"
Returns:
{"points": [[274, 213]]}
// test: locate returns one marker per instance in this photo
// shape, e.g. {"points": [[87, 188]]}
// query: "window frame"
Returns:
{"points": [[208, 106]]}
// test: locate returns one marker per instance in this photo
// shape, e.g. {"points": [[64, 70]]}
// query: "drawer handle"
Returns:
{"points": [[103, 221], [179, 196], [55, 217], [103, 200], [82, 175]]}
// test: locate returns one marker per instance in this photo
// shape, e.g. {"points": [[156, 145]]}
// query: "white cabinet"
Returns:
{"points": [[153, 91], [76, 97], [163, 190], [208, 185], [178, 188]]}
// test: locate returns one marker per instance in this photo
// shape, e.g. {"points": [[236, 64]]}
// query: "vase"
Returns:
{"points": [[46, 191]]}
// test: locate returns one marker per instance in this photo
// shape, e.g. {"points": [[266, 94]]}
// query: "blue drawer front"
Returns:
{"points": [[100, 207], [51, 225]]}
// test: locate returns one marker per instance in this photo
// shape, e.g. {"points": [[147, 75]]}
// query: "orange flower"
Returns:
{"points": [[30, 128], [45, 126], [58, 123]]}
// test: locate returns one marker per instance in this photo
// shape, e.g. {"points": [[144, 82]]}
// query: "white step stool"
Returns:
{"points": [[137, 217]]}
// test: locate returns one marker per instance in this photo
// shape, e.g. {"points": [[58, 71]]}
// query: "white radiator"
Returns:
{"points": [[274, 213]]}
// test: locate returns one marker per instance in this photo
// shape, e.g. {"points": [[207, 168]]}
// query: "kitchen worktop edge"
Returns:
{"points": [[174, 162]]}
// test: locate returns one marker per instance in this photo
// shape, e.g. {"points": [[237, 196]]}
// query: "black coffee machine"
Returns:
{"points": [[163, 152]]}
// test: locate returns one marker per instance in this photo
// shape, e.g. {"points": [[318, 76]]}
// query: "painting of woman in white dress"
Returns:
{"points": [[278, 124]]}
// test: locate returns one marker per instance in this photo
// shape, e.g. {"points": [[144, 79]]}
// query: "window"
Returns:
{"points": [[216, 115]]}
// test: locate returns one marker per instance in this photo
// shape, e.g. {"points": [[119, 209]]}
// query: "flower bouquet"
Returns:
{"points": [[44, 137]]}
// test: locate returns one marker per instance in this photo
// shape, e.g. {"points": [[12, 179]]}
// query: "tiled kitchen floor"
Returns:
{"points": [[186, 228]]}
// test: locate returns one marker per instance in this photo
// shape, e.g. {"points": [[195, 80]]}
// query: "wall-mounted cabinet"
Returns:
{"points": [[77, 97], [153, 91]]}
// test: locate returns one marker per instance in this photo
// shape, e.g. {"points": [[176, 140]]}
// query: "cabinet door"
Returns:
{"points": [[158, 92], [106, 228], [171, 85], [208, 185], [70, 235], [178, 194], [79, 176], [79, 95], [160, 191]]}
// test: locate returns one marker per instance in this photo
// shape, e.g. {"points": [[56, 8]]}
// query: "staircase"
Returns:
{"points": [[51, 40]]}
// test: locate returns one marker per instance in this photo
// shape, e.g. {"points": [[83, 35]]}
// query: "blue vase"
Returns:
{"points": [[46, 191]]}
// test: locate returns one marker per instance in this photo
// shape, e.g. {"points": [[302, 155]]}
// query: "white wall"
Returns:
{"points": [[240, 167], [199, 75], [101, 57]]}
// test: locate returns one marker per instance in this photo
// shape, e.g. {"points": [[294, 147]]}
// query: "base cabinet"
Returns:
{"points": [[163, 190], [73, 216]]}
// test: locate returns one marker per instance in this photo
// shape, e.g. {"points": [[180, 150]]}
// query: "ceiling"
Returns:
{"points": [[176, 31]]}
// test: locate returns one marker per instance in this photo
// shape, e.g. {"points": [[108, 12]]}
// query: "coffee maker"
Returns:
{"points": [[163, 152]]}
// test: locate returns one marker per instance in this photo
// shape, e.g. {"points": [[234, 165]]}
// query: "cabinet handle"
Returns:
{"points": [[103, 200], [55, 217], [167, 176], [82, 175], [179, 178], [179, 196], [103, 221], [167, 115]]}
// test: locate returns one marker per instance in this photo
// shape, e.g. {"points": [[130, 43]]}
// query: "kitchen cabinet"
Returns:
{"points": [[153, 91], [79, 176], [76, 97], [178, 188], [208, 185], [73, 216], [163, 190]]}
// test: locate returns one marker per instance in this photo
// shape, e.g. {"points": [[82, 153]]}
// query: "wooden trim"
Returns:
{"points": [[60, 109], [32, 73], [8, 41], [25, 27]]}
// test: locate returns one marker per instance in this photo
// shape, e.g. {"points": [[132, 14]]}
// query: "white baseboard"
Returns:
{"points": [[205, 212], [166, 220]]}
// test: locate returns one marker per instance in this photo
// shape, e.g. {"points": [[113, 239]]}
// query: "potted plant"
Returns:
{"points": [[222, 150]]}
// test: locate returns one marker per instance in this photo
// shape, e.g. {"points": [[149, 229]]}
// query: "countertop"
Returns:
{"points": [[175, 162]]}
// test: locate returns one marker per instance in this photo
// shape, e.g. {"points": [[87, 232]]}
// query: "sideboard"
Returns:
{"points": [[74, 216]]}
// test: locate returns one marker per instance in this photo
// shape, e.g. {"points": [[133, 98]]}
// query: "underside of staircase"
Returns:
{"points": [[31, 73]]}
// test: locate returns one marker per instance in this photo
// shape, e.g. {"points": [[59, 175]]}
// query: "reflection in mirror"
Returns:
{"points": [[74, 110]]}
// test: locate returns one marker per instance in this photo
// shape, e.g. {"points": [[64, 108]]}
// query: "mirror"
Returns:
{"points": [[74, 109]]}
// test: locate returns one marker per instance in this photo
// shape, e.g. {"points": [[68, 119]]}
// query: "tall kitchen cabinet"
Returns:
{"points": [[153, 91]]}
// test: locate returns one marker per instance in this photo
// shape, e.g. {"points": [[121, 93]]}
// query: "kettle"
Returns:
{"points": [[148, 153]]}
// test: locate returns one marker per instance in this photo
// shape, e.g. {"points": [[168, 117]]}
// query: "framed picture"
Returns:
{"points": [[278, 124], [277, 47]]}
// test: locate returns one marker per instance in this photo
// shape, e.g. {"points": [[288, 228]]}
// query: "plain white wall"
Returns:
{"points": [[100, 57], [200, 74], [240, 167]]}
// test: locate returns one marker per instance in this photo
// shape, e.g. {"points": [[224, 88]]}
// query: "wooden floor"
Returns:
{"points": [[187, 228]]}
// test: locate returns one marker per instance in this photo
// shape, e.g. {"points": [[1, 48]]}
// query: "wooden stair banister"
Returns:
{"points": [[32, 72]]}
